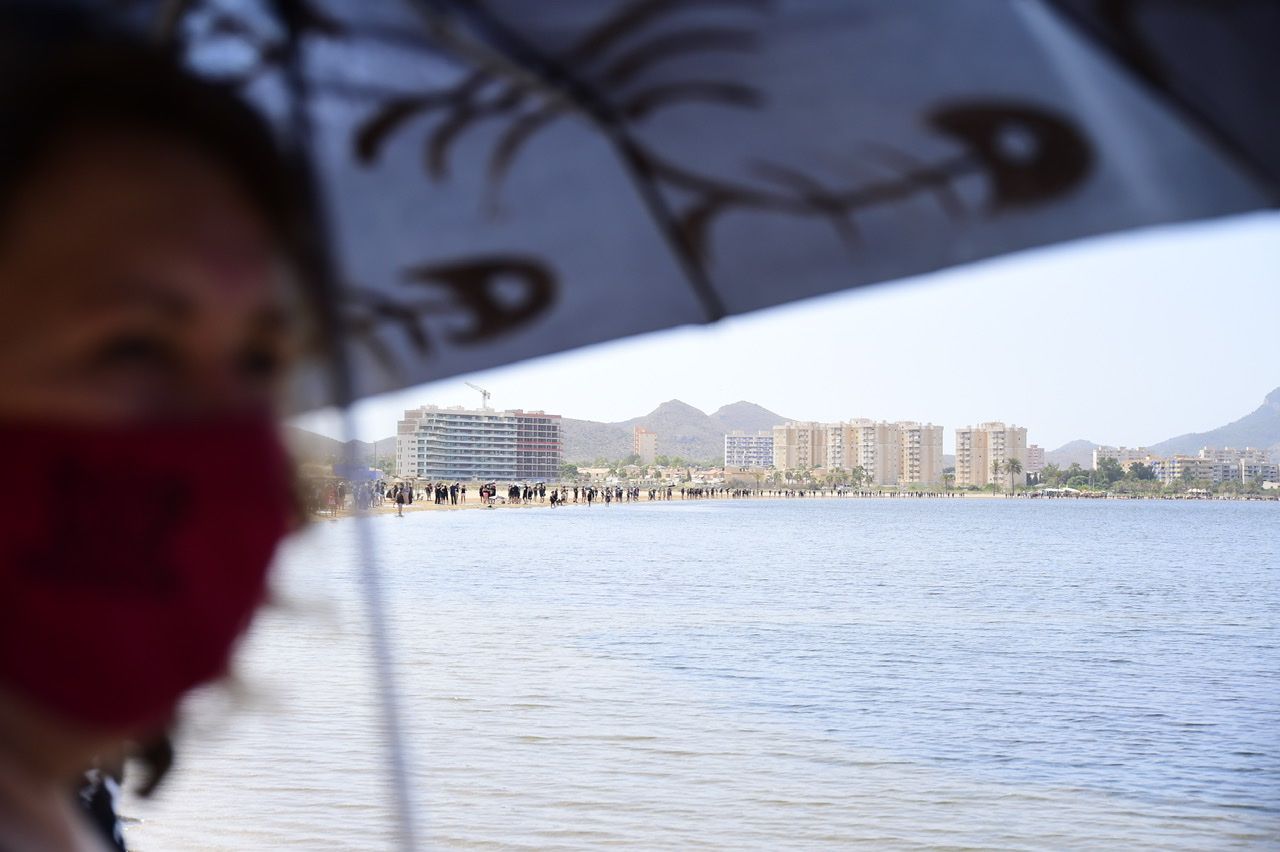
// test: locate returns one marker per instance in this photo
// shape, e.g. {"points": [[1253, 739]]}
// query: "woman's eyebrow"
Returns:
{"points": [[168, 303]]}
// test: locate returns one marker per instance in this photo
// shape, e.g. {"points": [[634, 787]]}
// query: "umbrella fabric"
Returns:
{"points": [[505, 179]]}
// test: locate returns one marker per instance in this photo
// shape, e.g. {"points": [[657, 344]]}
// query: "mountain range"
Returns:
{"points": [[309, 446], [682, 430], [692, 434], [1259, 428], [1073, 452]]}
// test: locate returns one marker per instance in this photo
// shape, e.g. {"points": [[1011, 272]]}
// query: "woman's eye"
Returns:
{"points": [[260, 363], [136, 351]]}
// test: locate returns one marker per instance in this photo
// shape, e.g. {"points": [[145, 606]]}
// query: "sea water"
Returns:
{"points": [[759, 674]]}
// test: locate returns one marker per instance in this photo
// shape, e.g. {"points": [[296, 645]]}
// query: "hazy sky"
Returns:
{"points": [[1127, 339]]}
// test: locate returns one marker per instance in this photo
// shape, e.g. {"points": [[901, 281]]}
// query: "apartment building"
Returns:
{"points": [[1182, 468], [539, 446], [644, 444], [979, 447], [871, 445], [478, 444], [748, 449], [1234, 456], [1126, 456], [920, 453], [1259, 471], [1035, 458], [800, 445], [1217, 465]]}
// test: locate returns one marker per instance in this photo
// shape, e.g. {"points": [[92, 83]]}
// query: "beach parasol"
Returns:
{"points": [[501, 179], [493, 180]]}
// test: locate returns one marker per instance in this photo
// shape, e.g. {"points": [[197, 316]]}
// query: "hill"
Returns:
{"points": [[588, 440], [746, 416], [1073, 452], [682, 431], [311, 447], [1260, 428]]}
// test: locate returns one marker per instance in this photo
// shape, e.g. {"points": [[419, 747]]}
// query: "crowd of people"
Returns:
{"points": [[333, 497]]}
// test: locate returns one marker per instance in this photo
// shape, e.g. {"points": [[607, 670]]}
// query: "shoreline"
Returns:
{"points": [[474, 502]]}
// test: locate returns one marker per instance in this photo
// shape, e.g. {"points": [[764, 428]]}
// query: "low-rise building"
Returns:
{"points": [[1233, 456], [1258, 471], [1182, 468], [1215, 465], [1125, 456]]}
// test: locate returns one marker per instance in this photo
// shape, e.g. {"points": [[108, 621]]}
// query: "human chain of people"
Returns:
{"points": [[342, 498]]}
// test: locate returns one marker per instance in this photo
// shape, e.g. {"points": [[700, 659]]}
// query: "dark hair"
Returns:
{"points": [[90, 80], [156, 756]]}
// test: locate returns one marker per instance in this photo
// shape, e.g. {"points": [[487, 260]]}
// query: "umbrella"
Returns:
{"points": [[503, 179], [492, 180]]}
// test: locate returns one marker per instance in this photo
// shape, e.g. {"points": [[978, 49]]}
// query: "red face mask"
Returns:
{"points": [[131, 559]]}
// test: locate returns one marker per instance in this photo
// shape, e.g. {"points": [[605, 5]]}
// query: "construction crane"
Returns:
{"points": [[484, 395]]}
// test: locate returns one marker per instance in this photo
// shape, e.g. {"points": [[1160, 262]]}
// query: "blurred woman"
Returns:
{"points": [[146, 328]]}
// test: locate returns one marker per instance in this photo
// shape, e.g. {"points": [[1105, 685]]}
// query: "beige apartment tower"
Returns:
{"points": [[800, 446], [644, 444], [978, 447], [868, 444], [903, 453], [920, 453]]}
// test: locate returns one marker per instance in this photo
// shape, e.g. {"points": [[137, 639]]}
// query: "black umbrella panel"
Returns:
{"points": [[506, 179]]}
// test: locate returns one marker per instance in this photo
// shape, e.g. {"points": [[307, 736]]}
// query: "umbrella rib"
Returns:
{"points": [[555, 77], [318, 263]]}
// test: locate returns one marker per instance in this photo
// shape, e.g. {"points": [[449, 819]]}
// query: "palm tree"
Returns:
{"points": [[997, 467], [1013, 467]]}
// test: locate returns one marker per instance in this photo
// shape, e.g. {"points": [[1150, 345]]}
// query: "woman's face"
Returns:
{"points": [[137, 283]]}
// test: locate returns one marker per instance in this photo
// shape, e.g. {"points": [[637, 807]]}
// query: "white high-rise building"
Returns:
{"points": [[478, 445], [748, 449]]}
